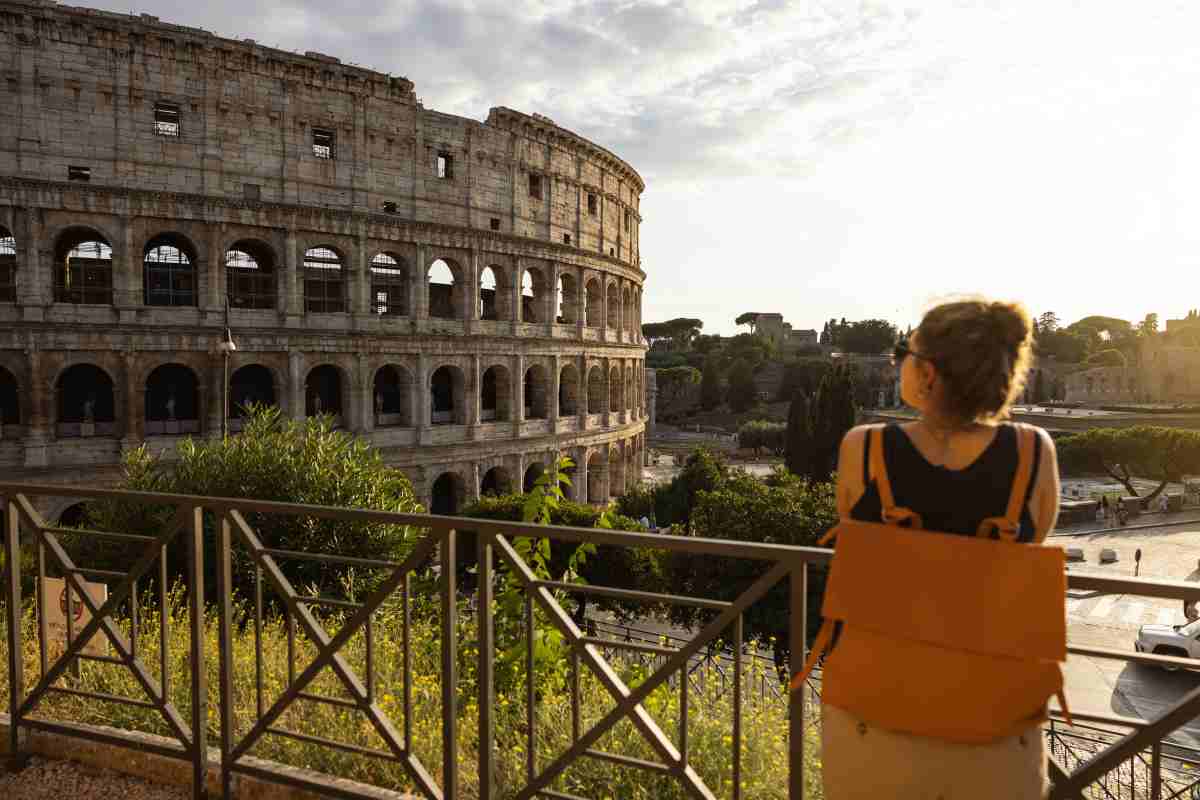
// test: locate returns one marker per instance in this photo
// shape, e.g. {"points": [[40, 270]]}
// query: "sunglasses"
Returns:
{"points": [[902, 350]]}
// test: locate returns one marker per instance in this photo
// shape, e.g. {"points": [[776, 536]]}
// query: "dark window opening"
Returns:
{"points": [[390, 207], [612, 251], [251, 191], [79, 173], [83, 271], [323, 282], [388, 289], [248, 386], [323, 142], [393, 391], [626, 220], [323, 391], [250, 276], [169, 278], [8, 267], [535, 186], [84, 396], [495, 223], [166, 119], [592, 205], [566, 238], [445, 166], [172, 396]]}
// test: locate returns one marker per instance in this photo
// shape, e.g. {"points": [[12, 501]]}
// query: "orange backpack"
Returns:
{"points": [[943, 635]]}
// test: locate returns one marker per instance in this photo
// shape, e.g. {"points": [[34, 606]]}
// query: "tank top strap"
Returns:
{"points": [[890, 513], [1008, 527]]}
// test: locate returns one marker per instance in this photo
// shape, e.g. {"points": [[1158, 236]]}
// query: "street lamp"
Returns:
{"points": [[226, 346]]}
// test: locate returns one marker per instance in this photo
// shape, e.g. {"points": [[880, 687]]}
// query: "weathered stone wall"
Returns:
{"points": [[84, 89]]}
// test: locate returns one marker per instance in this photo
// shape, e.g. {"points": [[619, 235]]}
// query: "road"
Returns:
{"points": [[1109, 686]]}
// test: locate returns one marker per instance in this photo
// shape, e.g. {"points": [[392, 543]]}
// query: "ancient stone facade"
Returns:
{"points": [[466, 294]]}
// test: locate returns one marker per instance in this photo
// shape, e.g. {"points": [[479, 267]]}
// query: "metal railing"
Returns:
{"points": [[1081, 763], [230, 532]]}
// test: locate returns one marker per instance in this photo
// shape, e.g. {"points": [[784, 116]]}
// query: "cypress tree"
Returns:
{"points": [[799, 441], [742, 392], [1039, 388], [834, 413], [710, 384]]}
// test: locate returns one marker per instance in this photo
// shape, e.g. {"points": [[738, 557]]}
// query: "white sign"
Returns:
{"points": [[55, 602]]}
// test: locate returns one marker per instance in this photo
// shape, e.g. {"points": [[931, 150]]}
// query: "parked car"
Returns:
{"points": [[1170, 640]]}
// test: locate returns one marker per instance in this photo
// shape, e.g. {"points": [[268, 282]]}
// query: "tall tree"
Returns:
{"points": [[742, 392], [868, 336], [1147, 451], [749, 318], [711, 390], [798, 456], [1048, 322], [834, 413], [674, 383], [1039, 388], [1148, 327]]}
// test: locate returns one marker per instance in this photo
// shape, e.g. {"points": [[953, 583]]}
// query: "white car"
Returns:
{"points": [[1170, 640]]}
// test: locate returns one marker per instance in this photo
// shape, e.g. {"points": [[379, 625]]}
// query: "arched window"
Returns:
{"points": [[323, 391], [323, 287], [83, 268], [536, 393], [568, 391], [566, 311], [532, 474], [10, 400], [627, 309], [250, 275], [172, 401], [495, 393], [250, 385], [529, 297], [614, 307], [616, 389], [595, 393], [8, 267], [597, 478], [495, 482], [168, 272], [616, 473], [593, 304], [389, 292], [489, 301], [447, 494], [446, 400], [392, 397], [85, 402], [441, 291]]}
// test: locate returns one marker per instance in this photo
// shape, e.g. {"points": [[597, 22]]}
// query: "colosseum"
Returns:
{"points": [[464, 294]]}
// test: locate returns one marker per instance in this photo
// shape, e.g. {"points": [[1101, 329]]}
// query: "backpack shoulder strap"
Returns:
{"points": [[889, 511], [1008, 527]]}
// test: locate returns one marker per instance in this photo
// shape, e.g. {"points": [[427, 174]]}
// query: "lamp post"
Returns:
{"points": [[226, 346]]}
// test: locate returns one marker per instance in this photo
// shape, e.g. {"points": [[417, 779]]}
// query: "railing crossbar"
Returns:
{"points": [[345, 747]]}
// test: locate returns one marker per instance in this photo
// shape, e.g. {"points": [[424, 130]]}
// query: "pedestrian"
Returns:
{"points": [[958, 469], [1103, 507]]}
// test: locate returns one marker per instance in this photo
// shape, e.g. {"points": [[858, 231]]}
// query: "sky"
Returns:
{"points": [[832, 159]]}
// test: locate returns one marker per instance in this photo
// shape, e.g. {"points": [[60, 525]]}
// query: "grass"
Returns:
{"points": [[764, 721]]}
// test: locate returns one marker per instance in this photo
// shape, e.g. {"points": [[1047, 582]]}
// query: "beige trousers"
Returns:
{"points": [[861, 762]]}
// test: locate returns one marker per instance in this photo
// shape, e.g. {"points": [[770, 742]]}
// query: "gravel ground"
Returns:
{"points": [[67, 780]]}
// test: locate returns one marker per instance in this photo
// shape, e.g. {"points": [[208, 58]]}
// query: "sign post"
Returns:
{"points": [[57, 601]]}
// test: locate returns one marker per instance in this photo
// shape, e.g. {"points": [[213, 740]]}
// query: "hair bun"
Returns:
{"points": [[1011, 322]]}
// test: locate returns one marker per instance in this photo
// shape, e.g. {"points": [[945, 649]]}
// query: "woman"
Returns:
{"points": [[961, 369]]}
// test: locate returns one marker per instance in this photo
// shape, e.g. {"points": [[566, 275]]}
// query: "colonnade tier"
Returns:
{"points": [[99, 268]]}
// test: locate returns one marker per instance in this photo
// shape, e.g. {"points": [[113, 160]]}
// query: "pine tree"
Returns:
{"points": [[799, 442], [710, 384]]}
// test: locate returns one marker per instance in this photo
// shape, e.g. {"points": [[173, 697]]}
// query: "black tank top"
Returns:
{"points": [[949, 500]]}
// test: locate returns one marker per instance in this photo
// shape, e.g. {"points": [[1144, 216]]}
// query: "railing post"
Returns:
{"points": [[199, 686], [225, 650], [449, 563], [797, 642], [1156, 771], [16, 648], [486, 666]]}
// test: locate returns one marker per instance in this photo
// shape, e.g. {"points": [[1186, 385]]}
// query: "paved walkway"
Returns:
{"points": [[68, 780]]}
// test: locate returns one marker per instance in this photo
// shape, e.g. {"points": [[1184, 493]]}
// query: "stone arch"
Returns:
{"points": [[85, 401], [567, 299], [10, 400], [169, 271], [447, 493], [495, 394], [632, 471], [532, 473], [251, 384], [324, 280], [83, 267], [496, 481], [391, 396], [8, 266], [593, 304], [389, 285], [597, 477], [627, 309], [447, 387], [568, 391], [596, 390], [613, 320], [325, 389], [172, 400], [491, 294], [629, 394], [537, 392], [616, 389], [446, 285], [73, 516], [533, 295], [250, 274]]}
